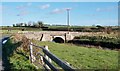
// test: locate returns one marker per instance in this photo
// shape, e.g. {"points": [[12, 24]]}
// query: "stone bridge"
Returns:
{"points": [[53, 35], [57, 36]]}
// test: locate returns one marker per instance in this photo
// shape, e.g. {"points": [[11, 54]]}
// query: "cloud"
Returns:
{"points": [[23, 13], [45, 6], [57, 10], [107, 9], [67, 8], [103, 22], [0, 7], [90, 15], [21, 7], [98, 9], [29, 4]]}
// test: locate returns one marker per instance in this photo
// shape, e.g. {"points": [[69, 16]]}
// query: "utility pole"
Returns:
{"points": [[68, 18]]}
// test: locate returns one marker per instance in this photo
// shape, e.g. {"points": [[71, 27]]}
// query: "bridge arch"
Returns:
{"points": [[58, 40]]}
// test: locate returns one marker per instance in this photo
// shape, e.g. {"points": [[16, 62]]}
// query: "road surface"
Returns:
{"points": [[1, 42], [1, 65]]}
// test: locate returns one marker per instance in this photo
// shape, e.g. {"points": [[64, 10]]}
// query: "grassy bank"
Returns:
{"points": [[14, 57], [83, 58]]}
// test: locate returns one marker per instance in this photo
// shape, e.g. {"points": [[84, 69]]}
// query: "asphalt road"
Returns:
{"points": [[1, 65], [0, 55], [1, 42]]}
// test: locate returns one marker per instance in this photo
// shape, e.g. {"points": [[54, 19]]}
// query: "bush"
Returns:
{"points": [[16, 56]]}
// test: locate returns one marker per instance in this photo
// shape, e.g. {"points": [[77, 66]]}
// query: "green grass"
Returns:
{"points": [[83, 58], [14, 59], [19, 28], [18, 61], [10, 32], [71, 27]]}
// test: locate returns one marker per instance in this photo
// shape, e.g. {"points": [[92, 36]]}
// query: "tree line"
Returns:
{"points": [[38, 24]]}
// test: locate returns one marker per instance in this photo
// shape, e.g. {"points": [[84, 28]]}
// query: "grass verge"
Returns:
{"points": [[14, 59], [83, 58]]}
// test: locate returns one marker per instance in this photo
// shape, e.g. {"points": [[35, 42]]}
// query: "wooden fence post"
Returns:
{"points": [[46, 47], [41, 60], [31, 52]]}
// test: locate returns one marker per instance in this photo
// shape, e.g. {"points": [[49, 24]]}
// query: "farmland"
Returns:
{"points": [[79, 57], [83, 58], [65, 28]]}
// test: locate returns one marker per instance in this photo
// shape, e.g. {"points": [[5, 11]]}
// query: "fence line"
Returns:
{"points": [[47, 57]]}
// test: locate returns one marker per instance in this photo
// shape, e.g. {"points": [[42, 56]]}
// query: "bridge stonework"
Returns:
{"points": [[46, 35]]}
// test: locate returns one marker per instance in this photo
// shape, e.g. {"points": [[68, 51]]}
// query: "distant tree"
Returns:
{"points": [[35, 25], [30, 23], [21, 24], [25, 24], [13, 25], [100, 28], [8, 26], [40, 23], [17, 25]]}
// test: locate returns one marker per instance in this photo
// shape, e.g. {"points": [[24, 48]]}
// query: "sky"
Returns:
{"points": [[59, 0], [81, 13]]}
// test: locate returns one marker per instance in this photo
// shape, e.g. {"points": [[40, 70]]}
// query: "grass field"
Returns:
{"points": [[71, 26], [83, 58]]}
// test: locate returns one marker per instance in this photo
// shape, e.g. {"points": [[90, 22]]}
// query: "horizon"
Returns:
{"points": [[54, 13]]}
